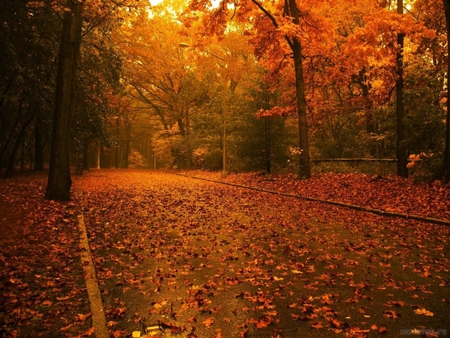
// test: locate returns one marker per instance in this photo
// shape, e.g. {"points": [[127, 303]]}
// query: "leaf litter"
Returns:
{"points": [[196, 259], [199, 257], [42, 288]]}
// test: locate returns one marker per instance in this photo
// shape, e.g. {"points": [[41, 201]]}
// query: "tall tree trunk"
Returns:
{"points": [[402, 159], [59, 180], [38, 149], [446, 162], [10, 167], [22, 155], [291, 10], [85, 155], [11, 134], [267, 152], [127, 145], [305, 164], [117, 144]]}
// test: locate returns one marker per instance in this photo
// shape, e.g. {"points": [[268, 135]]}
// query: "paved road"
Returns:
{"points": [[207, 260]]}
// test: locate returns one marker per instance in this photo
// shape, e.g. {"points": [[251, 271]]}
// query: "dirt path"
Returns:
{"points": [[204, 260]]}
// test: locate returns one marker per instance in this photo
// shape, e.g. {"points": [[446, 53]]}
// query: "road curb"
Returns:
{"points": [[337, 203], [93, 290]]}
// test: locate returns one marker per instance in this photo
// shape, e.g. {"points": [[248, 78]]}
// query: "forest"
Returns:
{"points": [[224, 168], [227, 85]]}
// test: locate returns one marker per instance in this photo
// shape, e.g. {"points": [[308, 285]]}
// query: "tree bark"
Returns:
{"points": [[267, 152], [127, 147], [304, 159], [38, 151], [446, 162], [59, 180], [19, 117], [85, 155], [402, 158], [10, 167], [291, 10]]}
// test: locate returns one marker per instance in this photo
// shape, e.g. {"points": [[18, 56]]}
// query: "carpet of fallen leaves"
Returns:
{"points": [[192, 258], [42, 290], [199, 259], [390, 193]]}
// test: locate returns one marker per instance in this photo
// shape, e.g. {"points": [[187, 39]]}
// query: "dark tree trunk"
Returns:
{"points": [[85, 155], [12, 133], [38, 148], [446, 162], [402, 158], [360, 79], [59, 180], [22, 156], [291, 10], [267, 152], [305, 163], [117, 144], [127, 145], [10, 167]]}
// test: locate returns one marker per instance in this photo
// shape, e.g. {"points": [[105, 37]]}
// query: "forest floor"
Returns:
{"points": [[192, 258]]}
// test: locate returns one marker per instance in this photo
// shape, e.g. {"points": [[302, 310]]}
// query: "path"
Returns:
{"points": [[208, 260]]}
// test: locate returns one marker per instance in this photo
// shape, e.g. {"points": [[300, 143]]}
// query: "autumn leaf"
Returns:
{"points": [[334, 322], [382, 329], [390, 314], [82, 318], [88, 333], [63, 298], [261, 322], [393, 302], [66, 328], [423, 311], [317, 325], [208, 322]]}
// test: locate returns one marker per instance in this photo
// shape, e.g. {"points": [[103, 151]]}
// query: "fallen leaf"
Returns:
{"points": [[382, 329], [82, 318], [208, 322], [423, 311], [317, 325]]}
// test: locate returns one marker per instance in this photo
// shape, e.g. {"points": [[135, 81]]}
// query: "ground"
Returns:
{"points": [[195, 258]]}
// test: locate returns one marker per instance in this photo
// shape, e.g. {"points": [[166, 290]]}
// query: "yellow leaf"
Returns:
{"points": [[423, 311]]}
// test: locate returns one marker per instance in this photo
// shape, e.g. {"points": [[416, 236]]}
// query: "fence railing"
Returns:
{"points": [[353, 160], [380, 166]]}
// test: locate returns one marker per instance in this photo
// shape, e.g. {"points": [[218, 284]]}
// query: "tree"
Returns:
{"points": [[446, 161], [291, 35], [285, 24], [59, 180], [160, 79], [402, 157], [292, 10], [97, 88], [26, 75]]}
